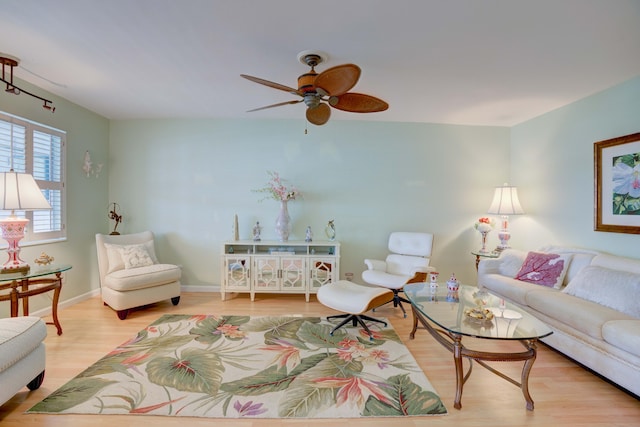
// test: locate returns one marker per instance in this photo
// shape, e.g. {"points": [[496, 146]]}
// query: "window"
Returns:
{"points": [[37, 149]]}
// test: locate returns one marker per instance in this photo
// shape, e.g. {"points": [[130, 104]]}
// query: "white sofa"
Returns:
{"points": [[22, 354], [594, 310]]}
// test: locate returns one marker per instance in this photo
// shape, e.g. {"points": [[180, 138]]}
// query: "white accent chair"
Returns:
{"points": [[130, 274], [22, 354], [408, 262]]}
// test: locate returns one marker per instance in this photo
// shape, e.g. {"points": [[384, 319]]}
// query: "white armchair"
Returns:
{"points": [[130, 274], [408, 262]]}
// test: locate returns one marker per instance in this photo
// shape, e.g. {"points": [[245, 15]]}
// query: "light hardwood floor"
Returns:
{"points": [[565, 394]]}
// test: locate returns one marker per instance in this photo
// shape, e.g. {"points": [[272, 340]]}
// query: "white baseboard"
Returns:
{"points": [[66, 303], [96, 292], [208, 288]]}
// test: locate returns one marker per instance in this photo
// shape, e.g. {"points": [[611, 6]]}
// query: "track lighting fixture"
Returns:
{"points": [[10, 61]]}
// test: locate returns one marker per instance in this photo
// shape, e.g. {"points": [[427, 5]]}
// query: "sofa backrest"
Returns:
{"points": [[580, 258], [630, 265]]}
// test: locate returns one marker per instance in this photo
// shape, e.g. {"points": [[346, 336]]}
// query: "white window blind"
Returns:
{"points": [[33, 148]]}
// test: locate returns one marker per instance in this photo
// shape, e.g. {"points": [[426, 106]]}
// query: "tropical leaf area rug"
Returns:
{"points": [[262, 367]]}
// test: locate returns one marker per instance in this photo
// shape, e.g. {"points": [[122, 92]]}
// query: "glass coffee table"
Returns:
{"points": [[449, 317]]}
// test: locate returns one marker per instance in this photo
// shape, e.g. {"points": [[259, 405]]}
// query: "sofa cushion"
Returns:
{"points": [[142, 277], [623, 334], [19, 336], [619, 290], [135, 256], [511, 261], [546, 269], [585, 316], [580, 258], [613, 262]]}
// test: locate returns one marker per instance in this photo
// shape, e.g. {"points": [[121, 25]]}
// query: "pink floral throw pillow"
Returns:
{"points": [[544, 269]]}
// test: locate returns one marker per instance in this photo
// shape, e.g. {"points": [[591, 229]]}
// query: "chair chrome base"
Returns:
{"points": [[397, 301], [355, 319]]}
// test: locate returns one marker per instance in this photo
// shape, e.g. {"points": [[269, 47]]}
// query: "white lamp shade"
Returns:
{"points": [[505, 201], [19, 191]]}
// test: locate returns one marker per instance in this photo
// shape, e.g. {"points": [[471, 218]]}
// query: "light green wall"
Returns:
{"points": [[87, 198], [552, 164], [186, 179]]}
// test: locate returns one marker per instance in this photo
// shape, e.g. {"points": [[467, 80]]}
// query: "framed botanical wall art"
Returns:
{"points": [[617, 184]]}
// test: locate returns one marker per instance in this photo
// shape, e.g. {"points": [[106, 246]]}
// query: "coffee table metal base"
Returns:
{"points": [[453, 342]]}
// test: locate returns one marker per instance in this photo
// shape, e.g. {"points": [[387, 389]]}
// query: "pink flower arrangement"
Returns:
{"points": [[277, 190], [484, 224]]}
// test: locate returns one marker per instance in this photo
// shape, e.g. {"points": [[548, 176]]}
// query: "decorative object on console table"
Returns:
{"points": [[18, 192], [277, 190], [308, 235], [257, 229], [617, 184], [505, 202], [330, 231], [236, 232], [283, 222]]}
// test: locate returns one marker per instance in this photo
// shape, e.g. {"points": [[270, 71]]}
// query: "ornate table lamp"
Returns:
{"points": [[18, 192], [505, 202]]}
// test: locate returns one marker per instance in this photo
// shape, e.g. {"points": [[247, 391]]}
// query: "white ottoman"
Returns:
{"points": [[353, 299], [22, 354]]}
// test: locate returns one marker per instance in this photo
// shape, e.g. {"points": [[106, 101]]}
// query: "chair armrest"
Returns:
{"points": [[375, 264]]}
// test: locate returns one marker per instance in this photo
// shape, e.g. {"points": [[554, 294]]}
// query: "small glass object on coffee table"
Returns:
{"points": [[471, 312]]}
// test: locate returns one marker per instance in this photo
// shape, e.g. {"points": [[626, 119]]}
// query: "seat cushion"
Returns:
{"points": [[585, 316], [142, 277], [382, 278], [623, 334], [19, 336], [349, 297]]}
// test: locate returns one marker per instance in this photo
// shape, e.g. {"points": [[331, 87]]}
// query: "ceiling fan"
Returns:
{"points": [[329, 88]]}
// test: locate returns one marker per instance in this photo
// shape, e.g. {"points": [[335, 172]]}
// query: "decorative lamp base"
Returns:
{"points": [[13, 231]]}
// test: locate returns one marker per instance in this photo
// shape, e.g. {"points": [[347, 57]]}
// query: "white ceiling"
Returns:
{"points": [[478, 62]]}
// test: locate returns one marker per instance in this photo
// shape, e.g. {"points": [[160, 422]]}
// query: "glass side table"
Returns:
{"points": [[38, 280], [479, 255]]}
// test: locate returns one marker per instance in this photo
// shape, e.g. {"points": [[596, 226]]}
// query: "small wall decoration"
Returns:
{"points": [[89, 168], [617, 184]]}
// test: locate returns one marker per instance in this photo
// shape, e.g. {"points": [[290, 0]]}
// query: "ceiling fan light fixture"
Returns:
{"points": [[11, 62], [321, 91]]}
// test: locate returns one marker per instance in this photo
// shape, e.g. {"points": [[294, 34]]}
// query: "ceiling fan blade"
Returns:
{"points": [[319, 115], [275, 105], [358, 103], [339, 79], [271, 84]]}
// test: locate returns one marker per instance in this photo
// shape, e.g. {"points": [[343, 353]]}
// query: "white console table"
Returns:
{"points": [[294, 267]]}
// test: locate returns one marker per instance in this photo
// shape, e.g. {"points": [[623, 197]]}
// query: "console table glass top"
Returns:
{"points": [[447, 310]]}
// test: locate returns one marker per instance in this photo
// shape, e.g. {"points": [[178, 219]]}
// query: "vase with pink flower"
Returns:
{"points": [[484, 226], [277, 189]]}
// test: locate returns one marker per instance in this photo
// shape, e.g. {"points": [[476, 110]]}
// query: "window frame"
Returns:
{"points": [[32, 238]]}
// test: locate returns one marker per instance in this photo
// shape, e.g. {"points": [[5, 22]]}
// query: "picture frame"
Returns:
{"points": [[617, 184]]}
